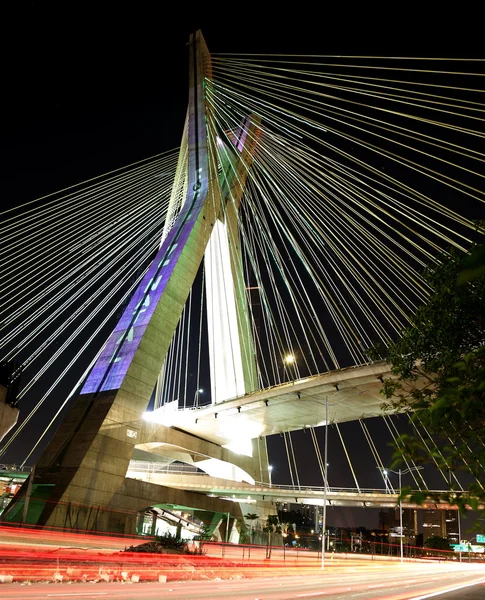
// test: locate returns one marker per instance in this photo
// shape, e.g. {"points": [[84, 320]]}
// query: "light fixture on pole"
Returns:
{"points": [[400, 473], [270, 468], [288, 360]]}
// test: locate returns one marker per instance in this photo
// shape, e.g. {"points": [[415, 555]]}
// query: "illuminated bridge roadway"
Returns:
{"points": [[247, 493], [341, 395]]}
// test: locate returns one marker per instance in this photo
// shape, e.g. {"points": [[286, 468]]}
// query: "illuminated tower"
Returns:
{"points": [[85, 464]]}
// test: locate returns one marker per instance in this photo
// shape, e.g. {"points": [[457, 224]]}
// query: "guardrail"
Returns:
{"points": [[184, 469], [13, 468], [312, 490]]}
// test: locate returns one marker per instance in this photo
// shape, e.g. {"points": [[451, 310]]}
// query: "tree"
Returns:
{"points": [[203, 536], [272, 526], [251, 517], [440, 366], [437, 543]]}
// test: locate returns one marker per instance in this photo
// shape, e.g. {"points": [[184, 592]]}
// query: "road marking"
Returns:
{"points": [[79, 594], [312, 594], [446, 591]]}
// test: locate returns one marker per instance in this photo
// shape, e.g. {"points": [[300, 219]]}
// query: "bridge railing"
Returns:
{"points": [[184, 469], [12, 468], [150, 467]]}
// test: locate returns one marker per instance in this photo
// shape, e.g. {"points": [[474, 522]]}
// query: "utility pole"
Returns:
{"points": [[324, 516], [400, 517], [400, 473], [28, 493], [227, 527]]}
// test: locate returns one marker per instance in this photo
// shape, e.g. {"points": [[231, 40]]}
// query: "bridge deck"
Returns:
{"points": [[351, 394], [242, 491]]}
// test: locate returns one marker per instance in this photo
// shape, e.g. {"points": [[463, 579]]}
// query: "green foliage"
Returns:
{"points": [[271, 526], [162, 544], [171, 542], [151, 547], [251, 516], [195, 550], [440, 364], [445, 329], [204, 533], [244, 532], [168, 544], [302, 522], [474, 266], [438, 543]]}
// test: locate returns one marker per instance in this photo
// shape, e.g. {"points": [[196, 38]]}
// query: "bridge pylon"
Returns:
{"points": [[80, 480]]}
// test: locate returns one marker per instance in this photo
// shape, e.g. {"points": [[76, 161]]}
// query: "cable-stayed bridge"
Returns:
{"points": [[260, 261]]}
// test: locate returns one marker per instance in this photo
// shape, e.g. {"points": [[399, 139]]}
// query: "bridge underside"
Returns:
{"points": [[351, 394]]}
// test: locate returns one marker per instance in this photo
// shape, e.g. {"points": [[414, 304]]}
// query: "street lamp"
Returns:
{"points": [[458, 517], [288, 360], [270, 468], [198, 393], [400, 473], [387, 483], [325, 458]]}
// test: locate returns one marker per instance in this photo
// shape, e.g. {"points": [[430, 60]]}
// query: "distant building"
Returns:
{"points": [[389, 522], [442, 523]]}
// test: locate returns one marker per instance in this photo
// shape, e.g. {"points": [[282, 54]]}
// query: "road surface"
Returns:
{"points": [[367, 583]]}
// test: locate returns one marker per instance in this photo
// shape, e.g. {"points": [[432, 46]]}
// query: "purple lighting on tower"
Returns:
{"points": [[113, 363]]}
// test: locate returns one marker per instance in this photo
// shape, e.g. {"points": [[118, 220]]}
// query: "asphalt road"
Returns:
{"points": [[409, 582], [295, 576]]}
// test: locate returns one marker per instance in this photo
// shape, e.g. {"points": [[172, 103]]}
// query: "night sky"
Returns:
{"points": [[85, 92]]}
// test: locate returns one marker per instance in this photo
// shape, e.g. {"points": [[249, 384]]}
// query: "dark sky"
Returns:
{"points": [[86, 91]]}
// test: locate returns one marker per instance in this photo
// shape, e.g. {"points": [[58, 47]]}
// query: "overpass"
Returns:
{"points": [[235, 491], [342, 395]]}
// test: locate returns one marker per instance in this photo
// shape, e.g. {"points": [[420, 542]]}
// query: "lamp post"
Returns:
{"points": [[324, 515], [270, 468], [459, 529], [400, 473], [458, 517]]}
